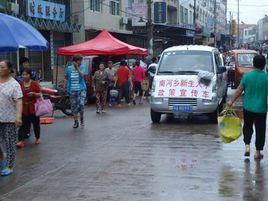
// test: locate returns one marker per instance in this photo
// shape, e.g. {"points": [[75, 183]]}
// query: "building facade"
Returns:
{"points": [[207, 12], [166, 28], [249, 34], [96, 15], [52, 19], [77, 21], [127, 20], [262, 29]]}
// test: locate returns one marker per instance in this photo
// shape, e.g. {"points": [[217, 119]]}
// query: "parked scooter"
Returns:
{"points": [[59, 99]]}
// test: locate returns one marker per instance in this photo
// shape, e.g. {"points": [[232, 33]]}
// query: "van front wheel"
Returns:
{"points": [[214, 116], [155, 116]]}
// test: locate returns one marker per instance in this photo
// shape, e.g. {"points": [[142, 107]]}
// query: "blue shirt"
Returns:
{"points": [[75, 86], [75, 83]]}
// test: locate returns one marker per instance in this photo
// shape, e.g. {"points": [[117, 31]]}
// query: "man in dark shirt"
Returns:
{"points": [[25, 63]]}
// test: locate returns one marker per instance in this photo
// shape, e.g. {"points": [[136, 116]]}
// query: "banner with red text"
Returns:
{"points": [[181, 87]]}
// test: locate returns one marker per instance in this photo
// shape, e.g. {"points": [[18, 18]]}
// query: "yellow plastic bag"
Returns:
{"points": [[145, 85], [229, 126]]}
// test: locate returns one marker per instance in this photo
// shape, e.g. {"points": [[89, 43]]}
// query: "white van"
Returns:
{"points": [[189, 80]]}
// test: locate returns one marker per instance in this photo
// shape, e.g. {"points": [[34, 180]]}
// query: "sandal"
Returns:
{"points": [[258, 156], [20, 144], [37, 141], [247, 152], [6, 172]]}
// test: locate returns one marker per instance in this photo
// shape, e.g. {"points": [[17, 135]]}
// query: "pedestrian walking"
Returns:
{"points": [[100, 85], [151, 70], [123, 81], [111, 73], [254, 84], [138, 76], [31, 92], [76, 87], [10, 116], [24, 63]]}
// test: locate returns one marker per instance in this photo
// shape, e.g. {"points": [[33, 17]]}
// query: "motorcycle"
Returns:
{"points": [[59, 99]]}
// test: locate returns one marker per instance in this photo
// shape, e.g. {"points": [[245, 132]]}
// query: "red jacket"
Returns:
{"points": [[29, 101], [123, 74]]}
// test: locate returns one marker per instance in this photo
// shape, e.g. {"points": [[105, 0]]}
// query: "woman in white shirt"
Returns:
{"points": [[10, 116]]}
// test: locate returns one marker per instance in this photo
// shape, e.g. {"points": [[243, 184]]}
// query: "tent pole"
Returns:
{"points": [[18, 60], [57, 70]]}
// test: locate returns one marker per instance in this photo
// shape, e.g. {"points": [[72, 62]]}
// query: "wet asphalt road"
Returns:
{"points": [[121, 156]]}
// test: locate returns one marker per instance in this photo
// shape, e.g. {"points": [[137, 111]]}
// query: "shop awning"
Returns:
{"points": [[103, 44]]}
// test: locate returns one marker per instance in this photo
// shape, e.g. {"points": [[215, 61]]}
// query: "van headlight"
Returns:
{"points": [[213, 100], [157, 100]]}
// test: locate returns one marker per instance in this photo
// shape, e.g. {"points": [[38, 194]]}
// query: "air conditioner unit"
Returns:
{"points": [[13, 7]]}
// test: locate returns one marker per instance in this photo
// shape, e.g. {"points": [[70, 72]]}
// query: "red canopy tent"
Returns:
{"points": [[103, 44]]}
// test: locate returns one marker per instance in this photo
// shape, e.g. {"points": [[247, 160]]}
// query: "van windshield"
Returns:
{"points": [[245, 60], [185, 62]]}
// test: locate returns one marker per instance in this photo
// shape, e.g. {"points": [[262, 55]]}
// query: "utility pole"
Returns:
{"points": [[150, 27], [215, 23], [194, 22], [238, 22]]}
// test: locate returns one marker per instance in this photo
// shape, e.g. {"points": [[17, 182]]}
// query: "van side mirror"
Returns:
{"points": [[221, 70]]}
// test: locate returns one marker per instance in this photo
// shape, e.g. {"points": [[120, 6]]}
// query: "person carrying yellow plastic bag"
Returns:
{"points": [[229, 126], [254, 84]]}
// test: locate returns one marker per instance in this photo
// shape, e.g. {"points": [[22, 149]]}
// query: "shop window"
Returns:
{"points": [[181, 14], [185, 15], [95, 5], [191, 17], [115, 7]]}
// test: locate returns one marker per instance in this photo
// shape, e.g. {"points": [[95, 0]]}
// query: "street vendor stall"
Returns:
{"points": [[103, 44]]}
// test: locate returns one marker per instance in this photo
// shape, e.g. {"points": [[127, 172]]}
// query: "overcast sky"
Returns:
{"points": [[250, 10]]}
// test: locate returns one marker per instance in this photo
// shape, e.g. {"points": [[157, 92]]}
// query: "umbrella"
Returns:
{"points": [[15, 33]]}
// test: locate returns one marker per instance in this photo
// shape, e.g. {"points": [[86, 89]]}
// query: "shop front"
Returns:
{"points": [[167, 36]]}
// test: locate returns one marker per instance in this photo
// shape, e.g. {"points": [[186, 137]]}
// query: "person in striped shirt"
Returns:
{"points": [[76, 88]]}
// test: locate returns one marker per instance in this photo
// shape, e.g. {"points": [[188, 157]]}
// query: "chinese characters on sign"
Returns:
{"points": [[46, 10], [182, 87]]}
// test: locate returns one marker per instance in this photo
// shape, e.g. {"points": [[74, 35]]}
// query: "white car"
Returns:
{"points": [[189, 80]]}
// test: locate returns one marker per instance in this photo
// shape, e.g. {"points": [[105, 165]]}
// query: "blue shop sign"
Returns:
{"points": [[160, 12], [46, 10]]}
